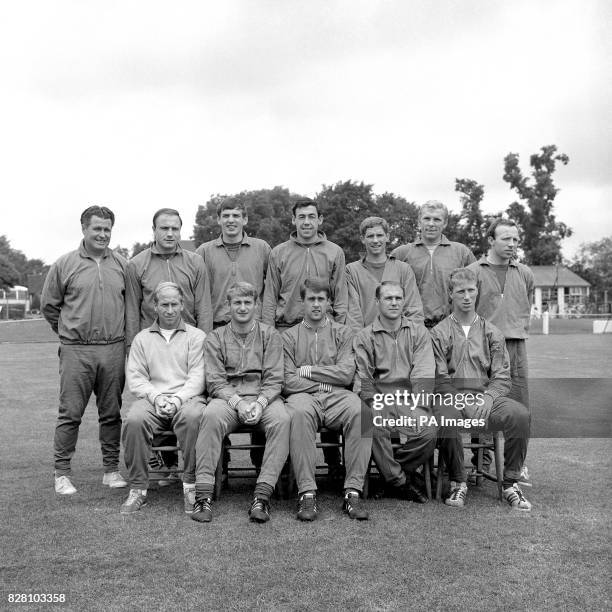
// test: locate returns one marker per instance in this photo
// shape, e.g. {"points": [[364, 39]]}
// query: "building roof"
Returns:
{"points": [[557, 276]]}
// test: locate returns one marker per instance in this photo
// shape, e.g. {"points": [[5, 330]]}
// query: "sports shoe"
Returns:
{"points": [[135, 501], [514, 496], [114, 480], [202, 510], [259, 512], [457, 495], [63, 486], [307, 507], [189, 498], [524, 478], [354, 506]]}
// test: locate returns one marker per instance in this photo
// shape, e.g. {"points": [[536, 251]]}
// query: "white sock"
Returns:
{"points": [[188, 487]]}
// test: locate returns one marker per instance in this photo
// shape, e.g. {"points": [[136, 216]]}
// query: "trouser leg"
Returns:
{"points": [[77, 369], [218, 420], [305, 412], [140, 426], [186, 425], [419, 446], [108, 388], [517, 350], [451, 449], [276, 423]]}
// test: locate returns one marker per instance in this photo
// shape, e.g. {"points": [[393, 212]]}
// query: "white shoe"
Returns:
{"points": [[515, 498], [137, 499], [457, 495], [114, 480], [63, 486]]}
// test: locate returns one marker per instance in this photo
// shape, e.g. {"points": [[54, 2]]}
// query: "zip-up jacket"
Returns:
{"points": [[249, 367], [250, 266], [479, 362], [83, 300], [291, 263], [508, 307], [328, 351], [388, 362], [432, 272], [362, 285], [148, 269], [157, 367]]}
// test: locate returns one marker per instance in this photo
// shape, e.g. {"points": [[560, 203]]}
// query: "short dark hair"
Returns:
{"points": [[241, 289], [388, 283], [303, 203], [167, 211], [370, 222], [166, 285], [316, 284], [97, 211], [496, 223], [231, 202], [459, 275]]}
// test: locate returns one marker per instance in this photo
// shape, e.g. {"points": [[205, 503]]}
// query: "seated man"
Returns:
{"points": [[319, 369], [244, 373], [395, 366], [166, 372], [471, 356]]}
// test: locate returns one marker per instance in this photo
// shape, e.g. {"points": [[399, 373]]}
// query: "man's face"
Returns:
{"points": [[242, 309], [231, 221], [306, 221], [505, 243], [97, 235], [391, 302], [169, 308], [167, 233], [315, 305], [432, 223], [463, 297], [375, 240]]}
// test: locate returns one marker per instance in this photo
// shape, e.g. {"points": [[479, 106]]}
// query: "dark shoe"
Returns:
{"points": [[202, 510], [307, 507], [354, 506], [416, 495], [406, 491], [259, 512]]}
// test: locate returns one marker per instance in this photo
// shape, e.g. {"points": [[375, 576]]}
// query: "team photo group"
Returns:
{"points": [[282, 342]]}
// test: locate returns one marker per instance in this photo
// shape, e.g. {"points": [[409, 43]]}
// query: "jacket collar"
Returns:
{"points": [[156, 328], [308, 326], [321, 237], [483, 262], [83, 251], [444, 241], [156, 251], [245, 240], [377, 326]]}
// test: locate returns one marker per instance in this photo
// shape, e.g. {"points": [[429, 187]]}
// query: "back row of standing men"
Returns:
{"points": [[83, 298]]}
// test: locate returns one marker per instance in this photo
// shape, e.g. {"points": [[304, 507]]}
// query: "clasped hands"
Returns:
{"points": [[166, 406], [249, 413]]}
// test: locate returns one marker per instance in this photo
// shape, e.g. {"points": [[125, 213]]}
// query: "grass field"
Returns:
{"points": [[432, 557]]}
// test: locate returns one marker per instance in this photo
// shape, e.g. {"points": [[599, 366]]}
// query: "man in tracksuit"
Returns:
{"points": [[505, 292], [165, 372], [472, 362], [83, 301], [364, 275], [432, 258], [319, 370], [306, 254], [394, 359], [244, 376]]}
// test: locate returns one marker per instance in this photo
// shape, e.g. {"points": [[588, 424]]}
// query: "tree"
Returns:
{"points": [[20, 263], [269, 212], [125, 253], [138, 247], [541, 233], [593, 262], [346, 204], [472, 223], [9, 276]]}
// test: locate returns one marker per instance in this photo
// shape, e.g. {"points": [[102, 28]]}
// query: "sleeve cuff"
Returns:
{"points": [[233, 401], [262, 401]]}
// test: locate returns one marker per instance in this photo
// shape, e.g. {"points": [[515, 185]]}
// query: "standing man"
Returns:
{"points": [[165, 372], [244, 361], [433, 257], [505, 292], [166, 261], [319, 370], [233, 257], [471, 358], [394, 356], [376, 266], [83, 301]]}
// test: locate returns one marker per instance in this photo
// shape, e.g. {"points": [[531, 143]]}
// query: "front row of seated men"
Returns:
{"points": [[313, 364]]}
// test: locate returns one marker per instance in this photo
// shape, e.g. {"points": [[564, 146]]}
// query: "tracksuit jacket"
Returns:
{"points": [[83, 300], [251, 367], [362, 309], [432, 272], [148, 269], [250, 266], [507, 307], [477, 363], [290, 264]]}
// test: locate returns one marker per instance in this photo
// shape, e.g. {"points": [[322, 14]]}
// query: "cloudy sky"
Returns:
{"points": [[144, 104]]}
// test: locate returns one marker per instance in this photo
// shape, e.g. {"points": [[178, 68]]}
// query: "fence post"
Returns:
{"points": [[545, 318]]}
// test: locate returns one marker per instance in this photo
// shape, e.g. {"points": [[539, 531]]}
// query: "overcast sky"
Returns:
{"points": [[144, 104]]}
